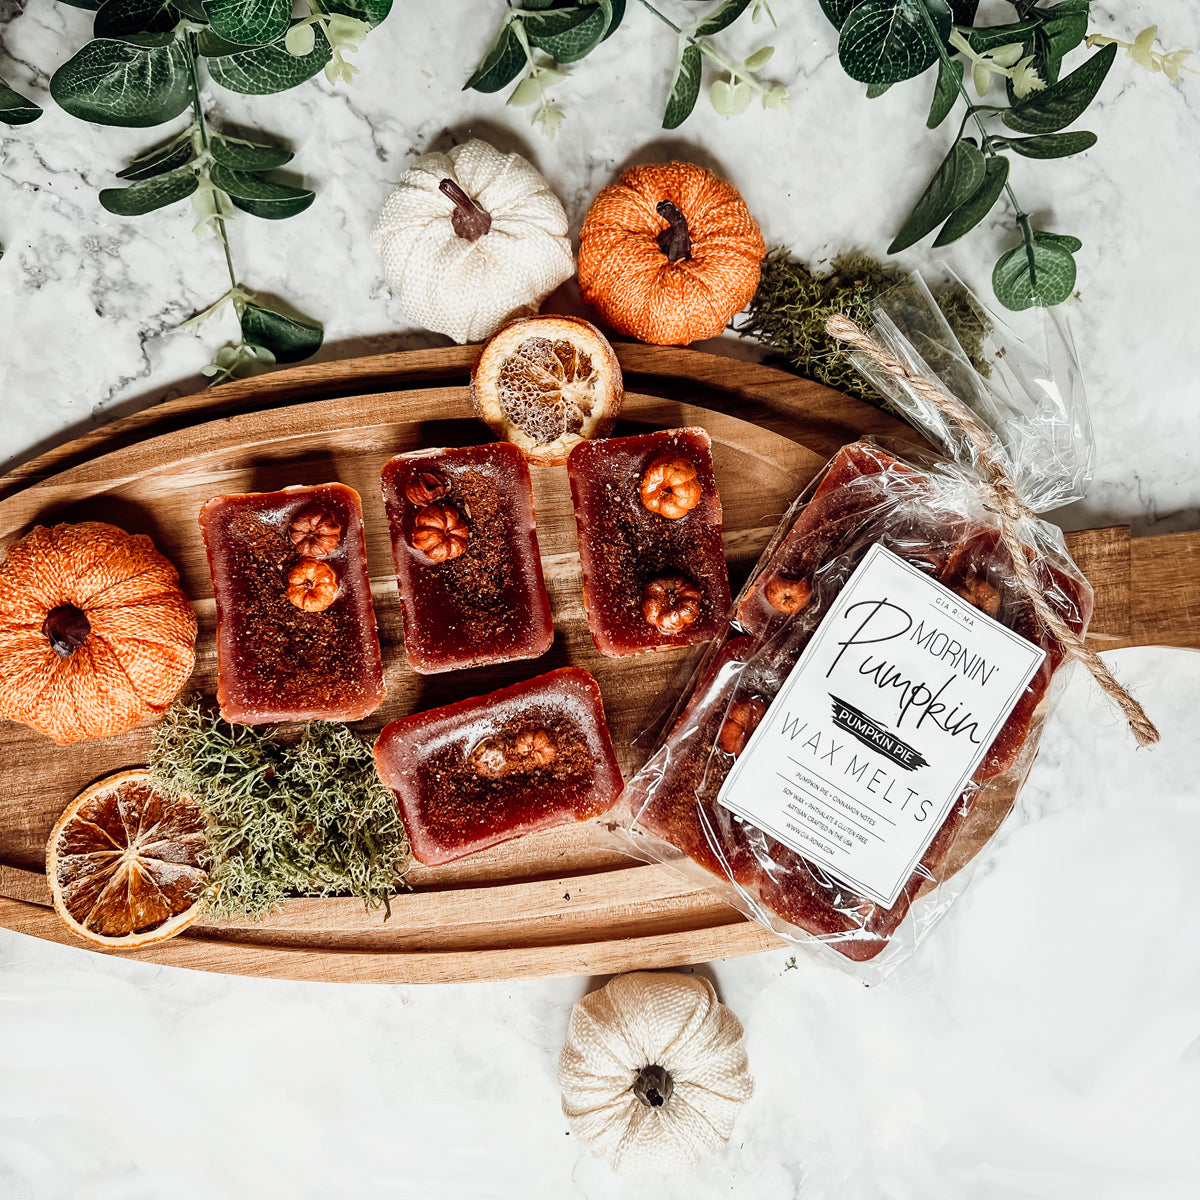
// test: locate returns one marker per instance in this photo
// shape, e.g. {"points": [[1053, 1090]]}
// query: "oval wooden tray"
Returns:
{"points": [[550, 904]]}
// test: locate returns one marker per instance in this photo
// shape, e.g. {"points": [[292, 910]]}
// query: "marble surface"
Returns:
{"points": [[1045, 1042]]}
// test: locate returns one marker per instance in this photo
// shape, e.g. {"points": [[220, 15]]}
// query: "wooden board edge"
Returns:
{"points": [[757, 385], [733, 940]]}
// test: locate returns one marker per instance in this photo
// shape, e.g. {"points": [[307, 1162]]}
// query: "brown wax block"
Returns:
{"points": [[482, 771], [277, 661], [467, 562], [636, 555]]}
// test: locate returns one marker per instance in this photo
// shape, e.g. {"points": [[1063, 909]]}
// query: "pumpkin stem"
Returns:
{"points": [[66, 628], [469, 220], [676, 241], [653, 1086]]}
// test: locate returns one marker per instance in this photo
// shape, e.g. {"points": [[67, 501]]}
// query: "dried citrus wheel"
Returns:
{"points": [[546, 384], [126, 865]]}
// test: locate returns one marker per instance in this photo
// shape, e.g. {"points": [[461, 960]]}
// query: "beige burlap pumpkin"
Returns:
{"points": [[653, 1072], [471, 239]]}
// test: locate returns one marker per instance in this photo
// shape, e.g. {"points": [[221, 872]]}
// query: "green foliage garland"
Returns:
{"points": [[144, 67]]}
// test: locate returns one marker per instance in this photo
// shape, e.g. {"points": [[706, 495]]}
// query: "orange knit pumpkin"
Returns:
{"points": [[669, 254], [95, 633]]}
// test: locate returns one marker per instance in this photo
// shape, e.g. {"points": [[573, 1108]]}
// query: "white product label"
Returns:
{"points": [[894, 702]]}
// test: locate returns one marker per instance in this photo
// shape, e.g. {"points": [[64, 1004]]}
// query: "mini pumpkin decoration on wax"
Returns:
{"points": [[471, 239], [669, 254], [95, 632], [653, 1072]]}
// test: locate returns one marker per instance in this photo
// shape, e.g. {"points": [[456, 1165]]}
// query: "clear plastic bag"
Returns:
{"points": [[933, 514]]}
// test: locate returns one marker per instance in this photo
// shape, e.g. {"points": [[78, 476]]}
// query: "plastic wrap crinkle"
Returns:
{"points": [[930, 512]]}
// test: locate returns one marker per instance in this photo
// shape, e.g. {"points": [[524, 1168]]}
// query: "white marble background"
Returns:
{"points": [[1046, 1042]]}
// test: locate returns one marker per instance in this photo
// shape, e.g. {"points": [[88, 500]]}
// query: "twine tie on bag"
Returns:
{"points": [[1002, 497]]}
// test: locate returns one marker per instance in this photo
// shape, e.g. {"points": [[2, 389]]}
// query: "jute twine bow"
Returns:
{"points": [[1002, 497]]}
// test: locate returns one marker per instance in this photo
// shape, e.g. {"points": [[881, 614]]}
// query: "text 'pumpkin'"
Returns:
{"points": [[95, 633], [669, 254]]}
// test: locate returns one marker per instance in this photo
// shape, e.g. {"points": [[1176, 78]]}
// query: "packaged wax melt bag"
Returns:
{"points": [[863, 729]]}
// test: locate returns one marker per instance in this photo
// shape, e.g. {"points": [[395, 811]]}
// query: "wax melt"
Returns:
{"points": [[649, 521], [467, 561], [865, 497], [481, 771], [295, 625]]}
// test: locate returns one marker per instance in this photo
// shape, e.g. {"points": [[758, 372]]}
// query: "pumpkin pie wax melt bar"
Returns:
{"points": [[481, 771], [296, 635], [467, 560], [649, 521]]}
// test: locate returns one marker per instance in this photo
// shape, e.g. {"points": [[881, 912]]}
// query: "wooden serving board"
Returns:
{"points": [[551, 903]]}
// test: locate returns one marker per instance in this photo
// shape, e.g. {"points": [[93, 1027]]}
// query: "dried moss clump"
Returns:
{"points": [[792, 304], [312, 818]]}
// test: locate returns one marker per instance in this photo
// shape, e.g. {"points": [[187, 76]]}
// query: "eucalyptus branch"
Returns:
{"points": [[883, 42], [708, 50], [201, 127], [568, 32], [143, 68], [973, 113]]}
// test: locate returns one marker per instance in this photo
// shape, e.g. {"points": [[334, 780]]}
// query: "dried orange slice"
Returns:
{"points": [[546, 384], [127, 866]]}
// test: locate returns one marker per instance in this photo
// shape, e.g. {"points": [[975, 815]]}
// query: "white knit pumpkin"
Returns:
{"points": [[653, 1072], [448, 275]]}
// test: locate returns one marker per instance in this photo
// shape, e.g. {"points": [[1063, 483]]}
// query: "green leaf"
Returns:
{"points": [[957, 179], [192, 8], [1056, 107], [160, 159], [261, 70], [148, 194], [500, 65], [949, 80], [287, 338], [118, 18], [14, 108], [1065, 31], [539, 26], [123, 83], [579, 40], [963, 11], [722, 18], [1051, 280], [685, 87], [242, 155], [991, 36], [249, 22], [875, 90], [972, 211], [373, 12], [1071, 245], [838, 10], [261, 196], [887, 41], [1050, 145]]}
